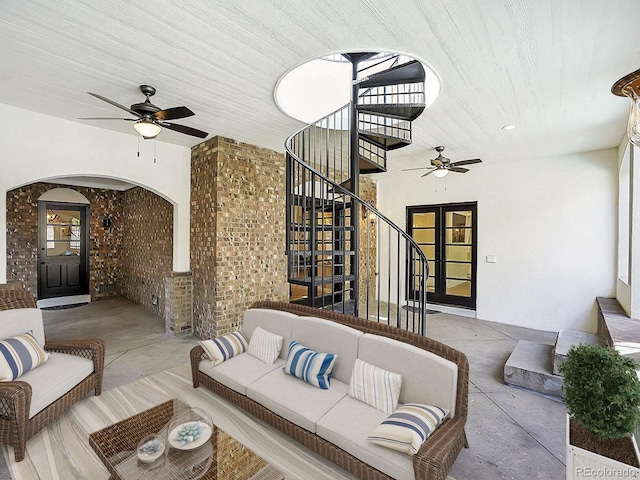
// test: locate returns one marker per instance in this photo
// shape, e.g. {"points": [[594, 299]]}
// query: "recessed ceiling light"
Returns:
{"points": [[509, 127]]}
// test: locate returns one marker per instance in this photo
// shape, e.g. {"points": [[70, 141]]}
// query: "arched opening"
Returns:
{"points": [[130, 232]]}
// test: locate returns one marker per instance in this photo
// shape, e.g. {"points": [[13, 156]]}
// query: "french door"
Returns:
{"points": [[446, 235]]}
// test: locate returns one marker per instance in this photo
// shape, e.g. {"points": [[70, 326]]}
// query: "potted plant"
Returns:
{"points": [[603, 403]]}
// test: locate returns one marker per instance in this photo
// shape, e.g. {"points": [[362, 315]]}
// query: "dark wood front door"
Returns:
{"points": [[63, 234], [447, 236]]}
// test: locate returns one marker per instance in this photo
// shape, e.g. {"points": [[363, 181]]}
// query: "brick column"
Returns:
{"points": [[178, 296]]}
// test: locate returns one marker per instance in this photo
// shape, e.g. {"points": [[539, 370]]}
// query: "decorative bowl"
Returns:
{"points": [[151, 448], [189, 430]]}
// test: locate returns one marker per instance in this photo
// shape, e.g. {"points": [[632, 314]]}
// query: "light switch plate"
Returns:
{"points": [[491, 259]]}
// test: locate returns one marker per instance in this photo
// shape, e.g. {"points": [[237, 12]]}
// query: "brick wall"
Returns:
{"points": [[368, 242], [105, 265], [147, 250], [237, 232]]}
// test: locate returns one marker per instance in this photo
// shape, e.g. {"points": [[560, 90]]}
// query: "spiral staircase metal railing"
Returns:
{"points": [[343, 254]]}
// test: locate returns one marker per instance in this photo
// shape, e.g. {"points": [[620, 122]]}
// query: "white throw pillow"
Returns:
{"points": [[223, 348], [265, 346], [406, 429], [375, 386]]}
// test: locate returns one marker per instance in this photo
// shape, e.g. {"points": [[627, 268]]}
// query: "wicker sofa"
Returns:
{"points": [[328, 421], [74, 369]]}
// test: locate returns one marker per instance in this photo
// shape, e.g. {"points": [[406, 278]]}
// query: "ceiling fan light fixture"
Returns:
{"points": [[441, 172], [629, 86], [147, 129]]}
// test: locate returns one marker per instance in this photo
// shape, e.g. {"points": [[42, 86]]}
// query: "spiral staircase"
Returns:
{"points": [[343, 254]]}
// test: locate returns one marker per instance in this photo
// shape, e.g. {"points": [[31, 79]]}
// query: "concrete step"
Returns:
{"points": [[529, 366], [567, 339]]}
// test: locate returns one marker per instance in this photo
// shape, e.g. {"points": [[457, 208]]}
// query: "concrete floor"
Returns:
{"points": [[513, 434]]}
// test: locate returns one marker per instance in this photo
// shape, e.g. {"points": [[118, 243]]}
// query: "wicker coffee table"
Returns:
{"points": [[221, 458]]}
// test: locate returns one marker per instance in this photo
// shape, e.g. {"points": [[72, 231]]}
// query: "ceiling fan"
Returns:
{"points": [[441, 165], [149, 119]]}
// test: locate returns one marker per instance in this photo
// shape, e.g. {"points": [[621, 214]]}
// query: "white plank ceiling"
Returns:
{"points": [[545, 65]]}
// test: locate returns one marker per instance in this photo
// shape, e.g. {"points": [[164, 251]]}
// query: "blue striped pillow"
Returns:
{"points": [[224, 347], [312, 367], [406, 429], [18, 355]]}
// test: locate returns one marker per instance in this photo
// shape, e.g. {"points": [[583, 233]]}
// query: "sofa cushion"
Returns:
{"points": [[375, 386], [265, 346], [426, 377], [274, 321], [239, 371], [20, 320], [18, 355], [347, 426], [327, 336], [50, 381], [297, 401], [223, 348], [406, 429]]}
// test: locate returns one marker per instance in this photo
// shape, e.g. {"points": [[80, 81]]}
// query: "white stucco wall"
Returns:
{"points": [[551, 223], [60, 148]]}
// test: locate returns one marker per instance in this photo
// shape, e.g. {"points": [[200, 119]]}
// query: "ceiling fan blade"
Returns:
{"points": [[108, 118], [184, 129], [437, 162], [467, 162], [458, 169], [104, 99], [419, 168], [173, 114], [429, 172]]}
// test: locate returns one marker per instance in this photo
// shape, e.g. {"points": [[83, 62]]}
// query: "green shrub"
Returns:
{"points": [[602, 390]]}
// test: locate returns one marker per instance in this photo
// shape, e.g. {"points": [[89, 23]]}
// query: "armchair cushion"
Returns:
{"points": [[60, 374], [18, 355]]}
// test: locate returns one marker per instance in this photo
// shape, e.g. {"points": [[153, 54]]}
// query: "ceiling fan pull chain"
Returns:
{"points": [[155, 148], [138, 145]]}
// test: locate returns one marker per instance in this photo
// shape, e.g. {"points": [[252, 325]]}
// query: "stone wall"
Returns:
{"points": [[105, 264], [147, 250], [237, 232]]}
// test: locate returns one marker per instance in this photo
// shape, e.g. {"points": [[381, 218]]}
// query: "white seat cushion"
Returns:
{"points": [[21, 320], [239, 371], [294, 399], [56, 377], [348, 424]]}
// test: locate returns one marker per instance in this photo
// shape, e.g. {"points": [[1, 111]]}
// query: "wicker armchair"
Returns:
{"points": [[18, 420]]}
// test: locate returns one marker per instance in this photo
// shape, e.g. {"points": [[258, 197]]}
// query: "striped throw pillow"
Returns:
{"points": [[18, 355], [223, 348], [312, 367], [406, 429], [375, 386], [265, 346]]}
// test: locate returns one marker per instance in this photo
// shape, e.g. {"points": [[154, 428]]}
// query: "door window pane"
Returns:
{"points": [[459, 288], [63, 233], [427, 219], [458, 235], [459, 270], [424, 235], [458, 253]]}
